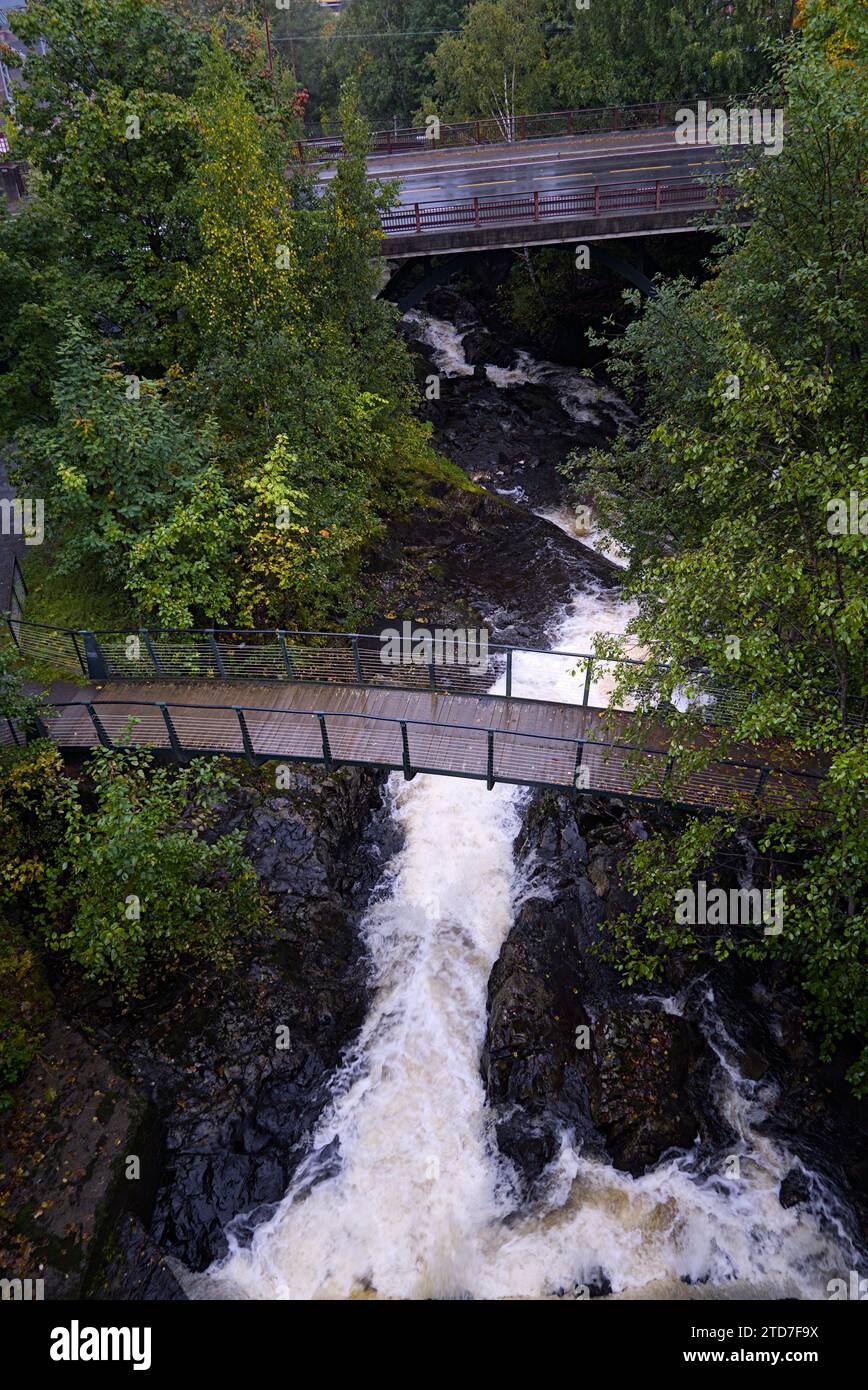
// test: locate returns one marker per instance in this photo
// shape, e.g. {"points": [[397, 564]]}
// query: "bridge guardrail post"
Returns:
{"points": [[596, 200], [489, 780], [358, 661], [657, 195], [589, 671], [536, 205], [151, 650], [215, 652], [409, 774], [174, 741], [284, 652], [508, 672], [99, 726], [326, 746], [247, 741], [418, 218], [477, 221], [96, 664]]}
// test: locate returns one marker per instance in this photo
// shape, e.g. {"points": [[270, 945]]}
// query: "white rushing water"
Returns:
{"points": [[579, 395], [420, 1204]]}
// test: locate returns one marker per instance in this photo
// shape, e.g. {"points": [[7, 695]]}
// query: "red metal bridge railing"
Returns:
{"points": [[588, 120], [600, 200]]}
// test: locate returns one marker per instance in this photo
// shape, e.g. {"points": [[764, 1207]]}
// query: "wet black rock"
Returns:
{"points": [[75, 1126], [476, 557], [484, 348], [795, 1190], [237, 1065], [568, 1052], [641, 1099]]}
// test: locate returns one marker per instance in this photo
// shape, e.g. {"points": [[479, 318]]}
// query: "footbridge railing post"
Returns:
{"points": [[151, 650], [326, 746], [358, 661], [174, 741], [760, 786], [96, 664], [580, 748], [284, 652], [246, 740], [215, 652], [98, 725], [489, 780], [409, 773]]}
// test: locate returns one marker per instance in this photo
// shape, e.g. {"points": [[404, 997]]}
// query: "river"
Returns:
{"points": [[421, 1204]]}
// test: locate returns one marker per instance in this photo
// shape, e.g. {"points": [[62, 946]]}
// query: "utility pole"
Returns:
{"points": [[268, 45]]}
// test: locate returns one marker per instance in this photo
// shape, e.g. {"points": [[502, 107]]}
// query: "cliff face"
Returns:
{"points": [[630, 1075]]}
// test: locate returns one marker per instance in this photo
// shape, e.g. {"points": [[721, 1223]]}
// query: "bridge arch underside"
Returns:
{"points": [[551, 232], [406, 290]]}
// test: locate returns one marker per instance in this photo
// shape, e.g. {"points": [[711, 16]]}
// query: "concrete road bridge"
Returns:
{"points": [[563, 177]]}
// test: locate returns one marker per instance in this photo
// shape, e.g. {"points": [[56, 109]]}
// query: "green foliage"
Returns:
{"points": [[390, 64], [15, 702], [657, 868], [640, 50], [497, 66], [135, 889], [104, 121], [513, 58], [753, 388], [111, 467], [158, 356], [25, 1006], [33, 795]]}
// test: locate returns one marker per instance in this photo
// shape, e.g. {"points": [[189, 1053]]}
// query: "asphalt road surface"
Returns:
{"points": [[557, 164]]}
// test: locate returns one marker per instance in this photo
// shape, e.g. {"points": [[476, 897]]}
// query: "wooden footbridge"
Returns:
{"points": [[332, 699]]}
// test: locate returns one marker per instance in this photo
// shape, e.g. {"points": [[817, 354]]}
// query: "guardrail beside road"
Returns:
{"points": [[588, 120], [601, 200]]}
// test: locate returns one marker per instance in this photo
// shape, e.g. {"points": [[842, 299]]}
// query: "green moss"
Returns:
{"points": [[70, 600]]}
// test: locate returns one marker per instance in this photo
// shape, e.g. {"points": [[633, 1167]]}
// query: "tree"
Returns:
{"points": [[497, 65], [730, 500], [627, 51], [118, 458], [384, 45], [134, 890], [104, 121]]}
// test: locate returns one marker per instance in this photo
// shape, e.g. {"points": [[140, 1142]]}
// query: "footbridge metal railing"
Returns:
{"points": [[430, 662], [411, 745]]}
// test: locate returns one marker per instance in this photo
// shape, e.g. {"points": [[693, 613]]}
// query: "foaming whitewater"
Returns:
{"points": [[579, 395], [405, 1194]]}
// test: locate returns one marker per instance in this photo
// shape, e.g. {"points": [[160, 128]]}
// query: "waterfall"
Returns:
{"points": [[421, 1205], [405, 1194]]}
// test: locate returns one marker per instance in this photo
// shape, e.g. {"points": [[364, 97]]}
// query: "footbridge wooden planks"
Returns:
{"points": [[486, 737]]}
